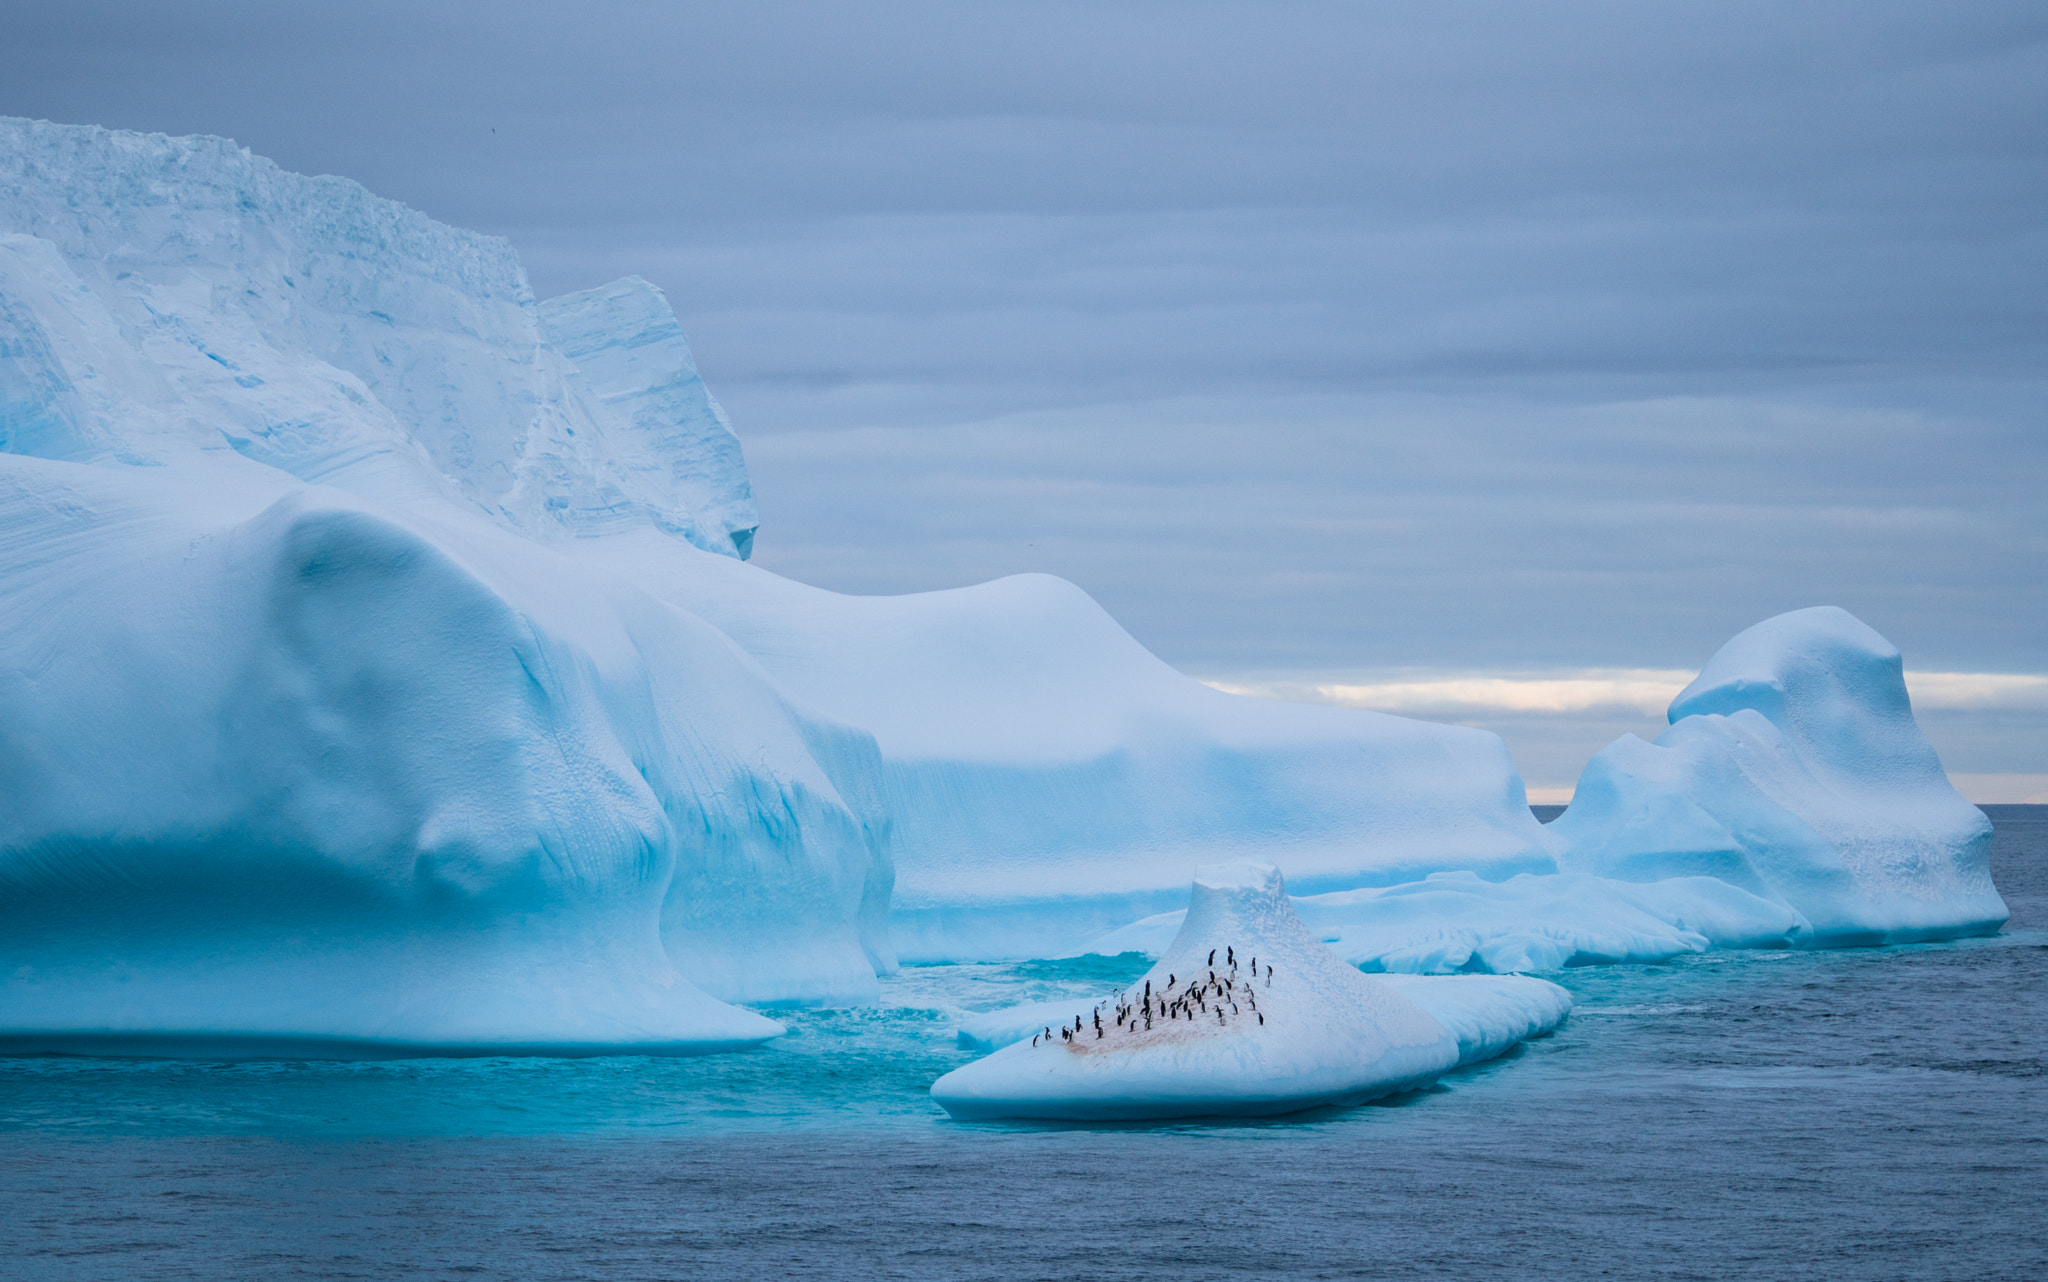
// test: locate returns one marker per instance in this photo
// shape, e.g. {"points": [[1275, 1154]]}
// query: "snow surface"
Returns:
{"points": [[1456, 921], [379, 663], [1259, 1019], [1487, 1014]]}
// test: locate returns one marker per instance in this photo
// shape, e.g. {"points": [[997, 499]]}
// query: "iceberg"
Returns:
{"points": [[1794, 771], [1245, 1014], [381, 666]]}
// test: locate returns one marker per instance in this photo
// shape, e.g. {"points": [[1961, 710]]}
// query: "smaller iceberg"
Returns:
{"points": [[1245, 1014], [1794, 772]]}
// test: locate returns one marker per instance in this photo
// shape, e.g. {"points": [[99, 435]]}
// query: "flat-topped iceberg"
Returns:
{"points": [[1245, 1014]]}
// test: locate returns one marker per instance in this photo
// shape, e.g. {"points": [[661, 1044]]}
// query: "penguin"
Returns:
{"points": [[1212, 957], [1230, 955], [1034, 1039], [1262, 1021]]}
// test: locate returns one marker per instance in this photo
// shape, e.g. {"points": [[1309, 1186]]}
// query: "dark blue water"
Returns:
{"points": [[1863, 1114]]}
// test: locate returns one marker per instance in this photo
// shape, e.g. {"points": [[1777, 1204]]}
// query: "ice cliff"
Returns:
{"points": [[381, 667]]}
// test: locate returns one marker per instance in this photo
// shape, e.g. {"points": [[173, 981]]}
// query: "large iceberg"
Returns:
{"points": [[380, 667]]}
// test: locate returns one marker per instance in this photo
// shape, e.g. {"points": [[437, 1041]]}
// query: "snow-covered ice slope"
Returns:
{"points": [[1793, 771], [378, 661], [1246, 1014], [1049, 779]]}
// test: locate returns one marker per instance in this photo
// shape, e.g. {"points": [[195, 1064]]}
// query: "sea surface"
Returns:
{"points": [[1860, 1114]]}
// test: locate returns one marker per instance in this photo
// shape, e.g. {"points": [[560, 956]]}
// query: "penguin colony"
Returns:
{"points": [[1222, 997]]}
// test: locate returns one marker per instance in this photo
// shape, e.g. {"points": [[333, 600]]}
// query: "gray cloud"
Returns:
{"points": [[1310, 337]]}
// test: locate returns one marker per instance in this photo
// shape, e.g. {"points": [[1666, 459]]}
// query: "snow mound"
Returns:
{"points": [[1794, 771], [1246, 1014]]}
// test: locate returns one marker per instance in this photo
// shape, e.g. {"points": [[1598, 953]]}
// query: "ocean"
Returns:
{"points": [[1857, 1114]]}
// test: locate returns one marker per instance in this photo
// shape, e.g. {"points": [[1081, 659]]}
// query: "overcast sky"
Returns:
{"points": [[1325, 344]]}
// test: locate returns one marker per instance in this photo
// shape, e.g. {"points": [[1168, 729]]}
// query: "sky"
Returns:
{"points": [[1487, 362]]}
